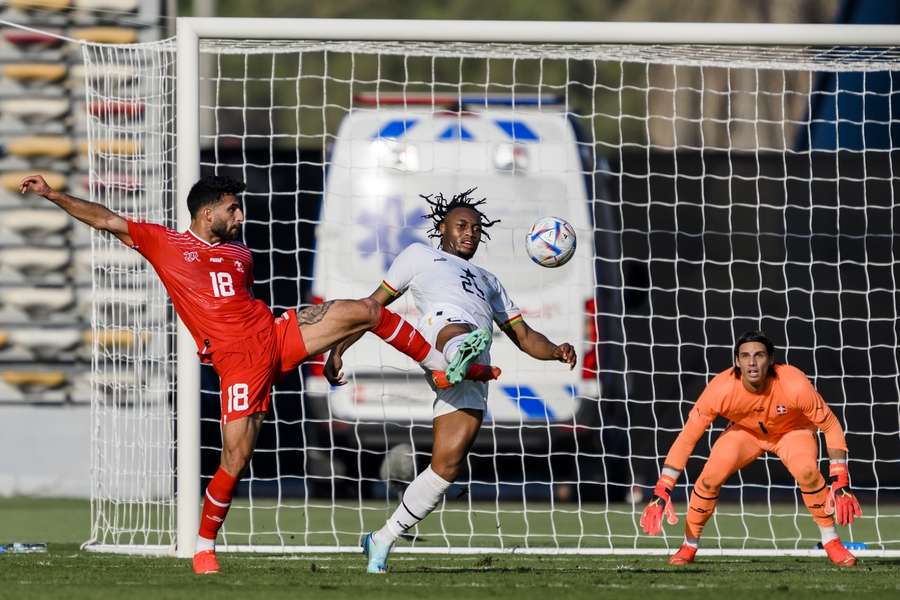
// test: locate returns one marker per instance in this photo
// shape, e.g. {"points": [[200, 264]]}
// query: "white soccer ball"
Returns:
{"points": [[550, 242]]}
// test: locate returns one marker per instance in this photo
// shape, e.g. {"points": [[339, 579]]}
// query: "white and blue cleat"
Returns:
{"points": [[376, 553]]}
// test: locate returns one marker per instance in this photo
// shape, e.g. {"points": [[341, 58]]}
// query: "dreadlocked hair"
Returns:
{"points": [[441, 207]]}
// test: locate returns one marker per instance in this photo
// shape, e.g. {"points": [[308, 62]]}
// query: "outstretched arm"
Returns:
{"points": [[97, 216], [535, 344], [334, 363]]}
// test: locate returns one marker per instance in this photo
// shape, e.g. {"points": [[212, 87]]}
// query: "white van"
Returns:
{"points": [[525, 160]]}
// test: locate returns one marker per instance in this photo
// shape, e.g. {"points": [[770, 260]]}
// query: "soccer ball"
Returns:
{"points": [[550, 242]]}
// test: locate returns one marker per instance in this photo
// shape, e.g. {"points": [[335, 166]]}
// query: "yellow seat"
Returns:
{"points": [[106, 338], [118, 5], [34, 71], [12, 180], [123, 146], [55, 5], [106, 35], [34, 380], [30, 146]]}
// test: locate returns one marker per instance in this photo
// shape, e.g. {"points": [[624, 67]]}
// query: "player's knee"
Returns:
{"points": [[708, 485], [235, 460], [808, 476], [369, 311]]}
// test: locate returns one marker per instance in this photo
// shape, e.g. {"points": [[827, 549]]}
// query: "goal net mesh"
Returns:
{"points": [[727, 189]]}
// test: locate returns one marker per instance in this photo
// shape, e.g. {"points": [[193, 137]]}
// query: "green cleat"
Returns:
{"points": [[469, 350]]}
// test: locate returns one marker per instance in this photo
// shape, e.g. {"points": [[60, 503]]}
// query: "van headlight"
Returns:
{"points": [[511, 158], [392, 154]]}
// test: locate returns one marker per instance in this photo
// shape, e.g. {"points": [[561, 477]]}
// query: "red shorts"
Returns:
{"points": [[248, 368]]}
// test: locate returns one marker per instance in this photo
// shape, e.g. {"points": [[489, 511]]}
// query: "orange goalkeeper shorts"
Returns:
{"points": [[247, 369]]}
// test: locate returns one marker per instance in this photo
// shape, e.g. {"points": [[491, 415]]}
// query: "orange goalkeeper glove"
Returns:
{"points": [[660, 504], [840, 500]]}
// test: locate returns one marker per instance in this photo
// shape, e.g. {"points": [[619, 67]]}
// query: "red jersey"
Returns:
{"points": [[209, 283], [788, 402]]}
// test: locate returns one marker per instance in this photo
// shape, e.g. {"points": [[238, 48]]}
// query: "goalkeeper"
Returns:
{"points": [[772, 408]]}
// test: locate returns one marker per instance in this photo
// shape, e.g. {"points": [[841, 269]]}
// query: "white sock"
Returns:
{"points": [[452, 346], [828, 534], [419, 499], [204, 544], [435, 361], [691, 541]]}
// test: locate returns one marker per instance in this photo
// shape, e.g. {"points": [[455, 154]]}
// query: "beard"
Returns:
{"points": [[222, 231]]}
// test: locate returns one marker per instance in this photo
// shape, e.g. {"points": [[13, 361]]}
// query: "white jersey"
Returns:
{"points": [[444, 283]]}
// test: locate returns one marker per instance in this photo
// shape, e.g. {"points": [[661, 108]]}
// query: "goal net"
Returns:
{"points": [[714, 189]]}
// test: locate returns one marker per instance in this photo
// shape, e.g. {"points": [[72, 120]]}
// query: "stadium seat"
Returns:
{"points": [[34, 110], [115, 75], [34, 72], [32, 381], [116, 108], [12, 179], [41, 5], [109, 338], [120, 182], [118, 257], [134, 301], [25, 39], [106, 35], [34, 262], [115, 5], [121, 146], [35, 223], [38, 301], [35, 146], [46, 343]]}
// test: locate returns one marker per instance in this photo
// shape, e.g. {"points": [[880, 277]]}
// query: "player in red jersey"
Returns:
{"points": [[209, 277], [772, 408]]}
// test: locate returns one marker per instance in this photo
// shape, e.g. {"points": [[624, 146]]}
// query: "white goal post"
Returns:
{"points": [[713, 107]]}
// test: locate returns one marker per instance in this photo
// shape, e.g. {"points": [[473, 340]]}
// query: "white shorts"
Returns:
{"points": [[465, 394]]}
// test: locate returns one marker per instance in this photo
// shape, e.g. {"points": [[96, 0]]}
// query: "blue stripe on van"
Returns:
{"points": [[456, 132], [529, 402], [517, 130], [395, 129]]}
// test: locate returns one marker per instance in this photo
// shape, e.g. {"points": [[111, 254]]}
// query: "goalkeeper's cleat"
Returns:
{"points": [[474, 373], [205, 563], [838, 554], [376, 553], [684, 556], [468, 351]]}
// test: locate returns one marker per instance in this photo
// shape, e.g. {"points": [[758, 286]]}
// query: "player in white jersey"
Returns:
{"points": [[459, 303]]}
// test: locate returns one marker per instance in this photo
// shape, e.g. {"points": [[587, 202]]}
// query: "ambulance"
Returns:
{"points": [[523, 155]]}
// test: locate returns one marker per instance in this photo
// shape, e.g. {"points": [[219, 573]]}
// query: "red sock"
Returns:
{"points": [[401, 335], [216, 503], [482, 373]]}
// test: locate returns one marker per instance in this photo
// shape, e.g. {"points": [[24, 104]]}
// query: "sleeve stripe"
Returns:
{"points": [[387, 287], [512, 321]]}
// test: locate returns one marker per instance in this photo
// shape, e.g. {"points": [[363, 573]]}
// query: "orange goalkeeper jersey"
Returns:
{"points": [[788, 402]]}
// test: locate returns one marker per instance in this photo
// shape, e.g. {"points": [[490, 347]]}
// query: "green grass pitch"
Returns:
{"points": [[67, 572]]}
